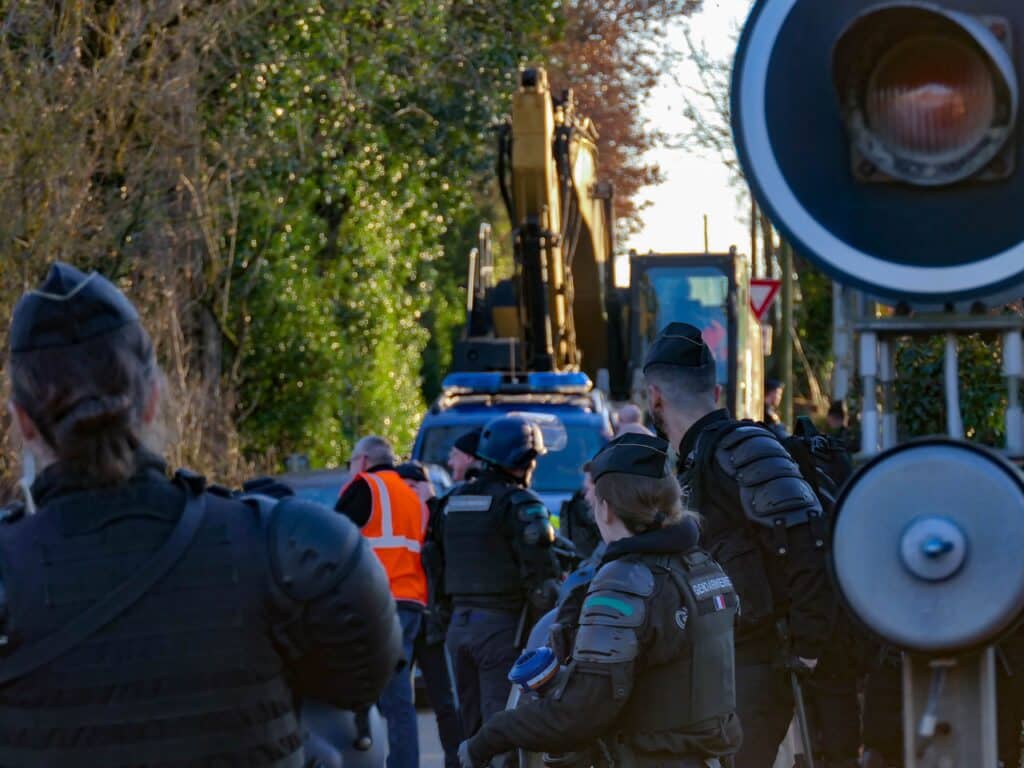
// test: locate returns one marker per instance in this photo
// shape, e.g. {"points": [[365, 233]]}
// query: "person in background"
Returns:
{"points": [[630, 419], [173, 597], [393, 520], [428, 651], [577, 522], [836, 419], [773, 390], [462, 459]]}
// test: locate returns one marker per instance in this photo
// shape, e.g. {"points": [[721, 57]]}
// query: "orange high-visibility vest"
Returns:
{"points": [[395, 530]]}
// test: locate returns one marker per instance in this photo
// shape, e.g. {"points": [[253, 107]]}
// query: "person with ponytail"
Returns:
{"points": [[649, 680], [150, 620]]}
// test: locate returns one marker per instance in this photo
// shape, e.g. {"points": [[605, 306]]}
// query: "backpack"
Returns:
{"points": [[824, 461]]}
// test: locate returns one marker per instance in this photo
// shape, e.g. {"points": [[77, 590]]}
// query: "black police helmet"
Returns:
{"points": [[511, 442]]}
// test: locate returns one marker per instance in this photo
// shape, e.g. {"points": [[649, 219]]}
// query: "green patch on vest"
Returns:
{"points": [[610, 602]]}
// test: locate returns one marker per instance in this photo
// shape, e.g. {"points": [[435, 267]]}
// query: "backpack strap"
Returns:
{"points": [[28, 659]]}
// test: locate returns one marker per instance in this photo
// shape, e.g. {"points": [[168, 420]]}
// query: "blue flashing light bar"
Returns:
{"points": [[495, 383], [572, 383], [472, 382]]}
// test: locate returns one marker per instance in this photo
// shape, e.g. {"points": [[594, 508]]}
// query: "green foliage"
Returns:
{"points": [[285, 188], [365, 127], [920, 393], [288, 190]]}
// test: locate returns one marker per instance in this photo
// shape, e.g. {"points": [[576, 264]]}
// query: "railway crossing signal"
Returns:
{"points": [[883, 140]]}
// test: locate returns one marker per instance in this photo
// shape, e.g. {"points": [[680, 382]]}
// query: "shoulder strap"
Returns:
{"points": [[30, 658]]}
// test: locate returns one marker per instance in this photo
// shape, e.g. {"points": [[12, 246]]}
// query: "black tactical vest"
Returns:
{"points": [[188, 676], [677, 701], [480, 560]]}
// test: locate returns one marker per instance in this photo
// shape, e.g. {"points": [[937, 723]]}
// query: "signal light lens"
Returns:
{"points": [[929, 97]]}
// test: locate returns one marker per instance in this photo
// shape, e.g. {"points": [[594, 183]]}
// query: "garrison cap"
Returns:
{"points": [[679, 344], [631, 454], [68, 308], [469, 442]]}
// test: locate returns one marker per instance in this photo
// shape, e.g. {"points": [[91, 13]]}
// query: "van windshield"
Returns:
{"points": [[557, 471]]}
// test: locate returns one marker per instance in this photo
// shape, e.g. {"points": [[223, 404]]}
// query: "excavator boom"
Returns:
{"points": [[553, 315]]}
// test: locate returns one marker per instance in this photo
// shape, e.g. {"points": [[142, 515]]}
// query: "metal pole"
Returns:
{"points": [[707, 248], [954, 420], [868, 367], [786, 350], [841, 343], [1013, 369], [801, 720], [887, 378]]}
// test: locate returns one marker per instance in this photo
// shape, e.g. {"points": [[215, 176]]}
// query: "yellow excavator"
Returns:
{"points": [[561, 311], [553, 314]]}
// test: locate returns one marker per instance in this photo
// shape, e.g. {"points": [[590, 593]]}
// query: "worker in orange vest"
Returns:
{"points": [[393, 520]]}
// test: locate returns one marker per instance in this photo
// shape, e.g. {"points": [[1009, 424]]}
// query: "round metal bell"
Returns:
{"points": [[928, 546]]}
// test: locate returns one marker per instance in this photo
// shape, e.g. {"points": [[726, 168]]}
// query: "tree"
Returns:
{"points": [[288, 190]]}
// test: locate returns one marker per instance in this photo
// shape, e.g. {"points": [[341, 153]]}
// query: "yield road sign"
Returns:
{"points": [[762, 296]]}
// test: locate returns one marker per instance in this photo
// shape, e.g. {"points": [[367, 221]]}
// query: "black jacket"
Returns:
{"points": [[793, 587], [596, 700], [204, 669]]}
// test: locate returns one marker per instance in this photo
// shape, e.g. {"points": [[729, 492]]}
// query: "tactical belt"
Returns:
{"points": [[29, 658]]}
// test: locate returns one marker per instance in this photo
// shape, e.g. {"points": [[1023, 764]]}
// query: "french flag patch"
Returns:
{"points": [[719, 601]]}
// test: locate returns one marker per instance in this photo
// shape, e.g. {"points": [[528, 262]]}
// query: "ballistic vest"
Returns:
{"points": [[480, 559], [189, 675], [395, 531], [676, 701]]}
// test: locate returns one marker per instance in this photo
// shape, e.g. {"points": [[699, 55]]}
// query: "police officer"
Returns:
{"points": [[762, 522], [462, 459], [650, 678], [499, 569], [149, 621]]}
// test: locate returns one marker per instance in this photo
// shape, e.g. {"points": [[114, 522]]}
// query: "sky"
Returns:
{"points": [[695, 185]]}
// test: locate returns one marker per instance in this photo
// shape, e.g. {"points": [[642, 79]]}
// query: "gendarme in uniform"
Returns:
{"points": [[499, 569], [763, 522], [651, 670], [203, 667]]}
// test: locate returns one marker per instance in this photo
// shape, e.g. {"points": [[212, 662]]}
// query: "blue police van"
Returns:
{"points": [[574, 417]]}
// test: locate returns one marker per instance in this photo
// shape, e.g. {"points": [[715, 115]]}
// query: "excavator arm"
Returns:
{"points": [[554, 316]]}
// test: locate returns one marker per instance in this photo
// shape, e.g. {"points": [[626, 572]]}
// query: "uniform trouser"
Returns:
{"points": [[883, 712], [432, 661], [764, 703], [481, 644], [833, 710], [397, 702]]}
